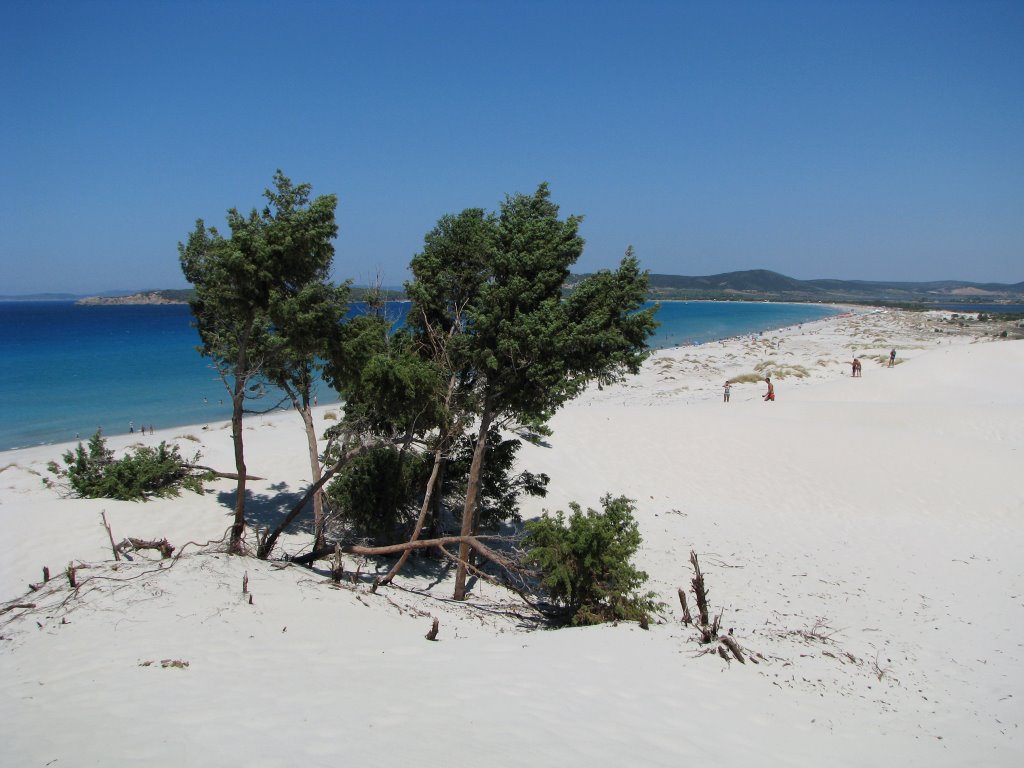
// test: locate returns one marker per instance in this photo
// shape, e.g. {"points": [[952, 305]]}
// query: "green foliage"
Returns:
{"points": [[585, 562], [375, 492], [500, 489], [387, 386], [94, 473], [496, 284], [262, 301]]}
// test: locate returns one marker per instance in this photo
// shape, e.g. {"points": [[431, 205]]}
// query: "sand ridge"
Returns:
{"points": [[860, 536]]}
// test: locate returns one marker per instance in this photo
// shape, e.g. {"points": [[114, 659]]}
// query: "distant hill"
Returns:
{"points": [[763, 284], [41, 297], [747, 285], [144, 297], [183, 295]]}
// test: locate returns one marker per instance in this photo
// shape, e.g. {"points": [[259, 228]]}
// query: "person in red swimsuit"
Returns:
{"points": [[770, 394]]}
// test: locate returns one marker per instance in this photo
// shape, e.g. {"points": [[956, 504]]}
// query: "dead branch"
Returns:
{"points": [[394, 549], [491, 580], [225, 475], [730, 642], [161, 545], [7, 608], [336, 567], [687, 618], [432, 634], [117, 555], [699, 590]]}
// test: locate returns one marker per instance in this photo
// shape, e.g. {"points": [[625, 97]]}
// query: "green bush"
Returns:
{"points": [[501, 487], [376, 492], [94, 473], [584, 562]]}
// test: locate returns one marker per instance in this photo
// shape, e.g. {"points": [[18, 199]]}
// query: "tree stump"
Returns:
{"points": [[432, 634]]}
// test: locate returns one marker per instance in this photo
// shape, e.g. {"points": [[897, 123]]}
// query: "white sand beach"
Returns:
{"points": [[862, 537]]}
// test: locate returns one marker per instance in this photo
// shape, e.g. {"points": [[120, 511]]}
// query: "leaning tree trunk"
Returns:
{"points": [[237, 402], [316, 471], [469, 511], [432, 487], [267, 545]]}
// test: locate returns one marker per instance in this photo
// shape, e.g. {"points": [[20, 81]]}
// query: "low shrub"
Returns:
{"points": [[93, 473], [585, 563]]}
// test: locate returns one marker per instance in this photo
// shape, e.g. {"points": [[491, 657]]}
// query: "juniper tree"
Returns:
{"points": [[269, 257], [520, 348]]}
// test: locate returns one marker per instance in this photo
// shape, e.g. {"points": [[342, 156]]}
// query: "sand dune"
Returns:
{"points": [[861, 537]]}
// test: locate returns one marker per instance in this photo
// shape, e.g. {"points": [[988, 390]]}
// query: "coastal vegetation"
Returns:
{"points": [[585, 563], [746, 285], [435, 411], [92, 471], [261, 299]]}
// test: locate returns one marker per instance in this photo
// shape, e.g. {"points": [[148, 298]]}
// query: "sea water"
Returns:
{"points": [[68, 369]]}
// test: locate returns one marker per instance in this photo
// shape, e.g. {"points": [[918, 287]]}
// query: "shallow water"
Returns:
{"points": [[67, 369]]}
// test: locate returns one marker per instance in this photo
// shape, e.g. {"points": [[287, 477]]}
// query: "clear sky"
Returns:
{"points": [[856, 140]]}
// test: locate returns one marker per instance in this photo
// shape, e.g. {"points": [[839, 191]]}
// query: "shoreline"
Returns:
{"points": [[912, 322], [178, 402], [860, 537]]}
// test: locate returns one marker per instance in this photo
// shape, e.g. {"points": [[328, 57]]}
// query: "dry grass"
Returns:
{"points": [[779, 370], [747, 378]]}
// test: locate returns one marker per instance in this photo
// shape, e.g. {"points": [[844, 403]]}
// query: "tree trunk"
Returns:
{"points": [[435, 505], [476, 471], [394, 549], [428, 495], [237, 402], [268, 543], [316, 472]]}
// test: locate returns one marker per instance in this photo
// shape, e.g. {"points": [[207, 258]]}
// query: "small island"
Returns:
{"points": [[143, 297]]}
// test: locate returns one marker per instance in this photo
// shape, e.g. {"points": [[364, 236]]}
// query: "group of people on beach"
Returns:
{"points": [[769, 395], [142, 429]]}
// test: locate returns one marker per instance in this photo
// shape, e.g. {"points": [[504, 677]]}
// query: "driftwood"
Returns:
{"points": [[432, 634], [336, 565], [395, 549], [106, 525], [699, 590], [29, 605], [70, 573], [730, 642], [687, 618], [161, 545]]}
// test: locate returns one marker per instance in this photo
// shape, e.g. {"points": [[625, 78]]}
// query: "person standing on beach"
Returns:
{"points": [[769, 396], [131, 427], [892, 358], [726, 391]]}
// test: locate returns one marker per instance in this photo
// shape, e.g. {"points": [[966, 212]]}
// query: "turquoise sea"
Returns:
{"points": [[67, 369]]}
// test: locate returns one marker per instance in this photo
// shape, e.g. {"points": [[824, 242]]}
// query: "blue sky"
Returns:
{"points": [[856, 140]]}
